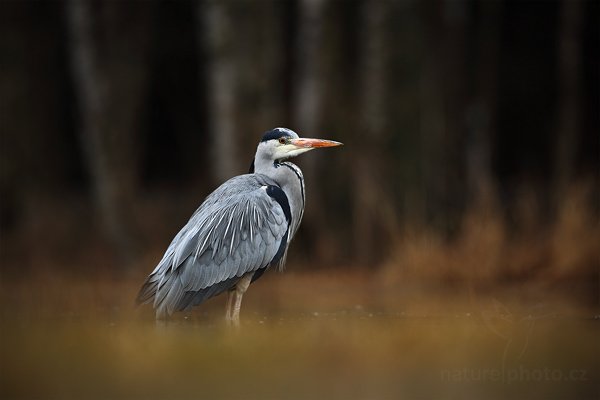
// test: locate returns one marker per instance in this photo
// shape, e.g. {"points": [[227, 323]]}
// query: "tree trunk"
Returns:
{"points": [[308, 70], [569, 94], [217, 37], [443, 98], [306, 108], [108, 56], [481, 110], [455, 80], [432, 121], [371, 195]]}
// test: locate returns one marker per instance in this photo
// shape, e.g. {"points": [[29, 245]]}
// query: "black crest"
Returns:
{"points": [[277, 133]]}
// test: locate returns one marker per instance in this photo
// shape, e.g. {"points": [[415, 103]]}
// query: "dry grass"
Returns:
{"points": [[303, 336], [491, 315], [488, 258]]}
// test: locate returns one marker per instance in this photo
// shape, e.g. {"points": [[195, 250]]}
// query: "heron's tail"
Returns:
{"points": [[148, 290], [163, 288]]}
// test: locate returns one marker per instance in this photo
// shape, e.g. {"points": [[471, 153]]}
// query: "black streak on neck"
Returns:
{"points": [[278, 164]]}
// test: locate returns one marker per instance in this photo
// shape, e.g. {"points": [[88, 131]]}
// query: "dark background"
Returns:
{"points": [[450, 249], [118, 118]]}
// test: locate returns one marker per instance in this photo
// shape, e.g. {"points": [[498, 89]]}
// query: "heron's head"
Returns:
{"points": [[279, 144]]}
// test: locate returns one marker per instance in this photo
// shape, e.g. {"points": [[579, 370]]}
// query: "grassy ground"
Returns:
{"points": [[303, 336], [496, 312]]}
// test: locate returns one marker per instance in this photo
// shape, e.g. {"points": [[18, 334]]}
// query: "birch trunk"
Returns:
{"points": [[307, 103], [217, 38]]}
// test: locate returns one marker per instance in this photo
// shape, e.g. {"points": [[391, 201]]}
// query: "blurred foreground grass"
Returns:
{"points": [[303, 336]]}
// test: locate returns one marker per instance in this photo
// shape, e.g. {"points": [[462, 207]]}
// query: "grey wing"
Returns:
{"points": [[232, 233]]}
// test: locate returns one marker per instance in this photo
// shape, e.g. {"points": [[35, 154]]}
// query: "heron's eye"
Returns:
{"points": [[282, 140]]}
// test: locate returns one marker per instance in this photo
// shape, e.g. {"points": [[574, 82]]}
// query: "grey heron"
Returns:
{"points": [[240, 230]]}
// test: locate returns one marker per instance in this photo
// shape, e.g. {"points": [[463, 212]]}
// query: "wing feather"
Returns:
{"points": [[237, 229]]}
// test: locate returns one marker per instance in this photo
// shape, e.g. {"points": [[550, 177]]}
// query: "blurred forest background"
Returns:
{"points": [[471, 131], [463, 210]]}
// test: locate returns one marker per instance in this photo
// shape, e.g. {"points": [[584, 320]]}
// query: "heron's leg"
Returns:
{"points": [[238, 293], [229, 308]]}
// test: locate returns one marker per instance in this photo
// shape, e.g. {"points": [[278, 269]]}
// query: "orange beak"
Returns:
{"points": [[314, 143]]}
